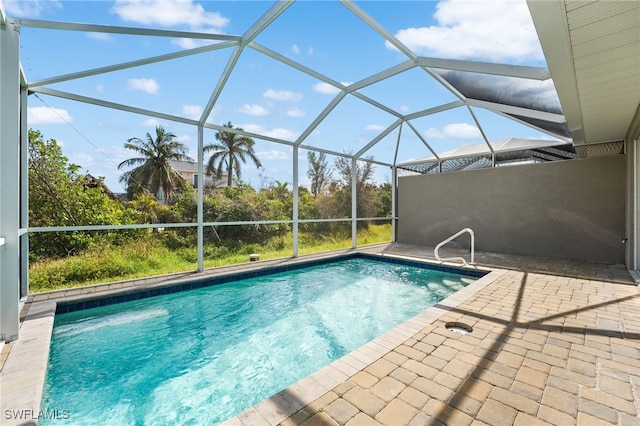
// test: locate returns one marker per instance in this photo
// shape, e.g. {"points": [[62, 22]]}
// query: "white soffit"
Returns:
{"points": [[593, 53]]}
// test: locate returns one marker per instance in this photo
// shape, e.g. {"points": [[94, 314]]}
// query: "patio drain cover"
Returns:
{"points": [[459, 327]]}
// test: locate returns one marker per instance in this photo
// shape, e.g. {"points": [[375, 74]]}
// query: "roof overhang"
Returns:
{"points": [[592, 50]]}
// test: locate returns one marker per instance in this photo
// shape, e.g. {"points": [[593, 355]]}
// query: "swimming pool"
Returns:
{"points": [[202, 356]]}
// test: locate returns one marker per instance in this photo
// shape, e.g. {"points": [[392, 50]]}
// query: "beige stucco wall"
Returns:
{"points": [[569, 209]]}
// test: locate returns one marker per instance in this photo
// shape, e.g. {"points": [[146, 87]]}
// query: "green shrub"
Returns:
{"points": [[168, 252]]}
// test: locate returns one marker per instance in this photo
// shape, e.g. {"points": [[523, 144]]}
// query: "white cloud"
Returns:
{"points": [[403, 108], [255, 110], [282, 95], [187, 43], [485, 30], [272, 155], [148, 85], [100, 88], [46, 115], [327, 88], [278, 133], [170, 13], [151, 122], [374, 127], [117, 154], [310, 51], [173, 13], [100, 36], [454, 131], [295, 49], [192, 111], [183, 138], [28, 9], [408, 160], [252, 128], [81, 159], [296, 112], [192, 43]]}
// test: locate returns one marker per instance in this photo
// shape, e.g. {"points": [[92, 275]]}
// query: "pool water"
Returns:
{"points": [[203, 356]]}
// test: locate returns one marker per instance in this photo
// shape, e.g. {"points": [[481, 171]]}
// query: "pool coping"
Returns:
{"points": [[23, 375]]}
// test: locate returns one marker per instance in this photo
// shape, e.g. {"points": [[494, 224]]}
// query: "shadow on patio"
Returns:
{"points": [[554, 347]]}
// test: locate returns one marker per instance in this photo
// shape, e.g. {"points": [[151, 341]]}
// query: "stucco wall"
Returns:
{"points": [[569, 209]]}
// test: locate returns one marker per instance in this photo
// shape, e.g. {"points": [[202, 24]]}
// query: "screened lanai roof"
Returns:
{"points": [[386, 81]]}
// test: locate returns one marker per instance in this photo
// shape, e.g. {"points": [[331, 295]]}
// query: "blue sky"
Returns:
{"points": [[262, 95]]}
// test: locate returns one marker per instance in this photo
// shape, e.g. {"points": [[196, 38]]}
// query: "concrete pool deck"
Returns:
{"points": [[553, 342]]}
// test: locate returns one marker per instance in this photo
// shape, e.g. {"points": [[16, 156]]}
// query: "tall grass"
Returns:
{"points": [[148, 256]]}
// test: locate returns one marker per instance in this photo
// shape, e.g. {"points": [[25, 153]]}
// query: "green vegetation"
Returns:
{"points": [[59, 195], [148, 256]]}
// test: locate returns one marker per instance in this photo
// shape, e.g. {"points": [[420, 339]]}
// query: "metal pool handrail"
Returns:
{"points": [[454, 236]]}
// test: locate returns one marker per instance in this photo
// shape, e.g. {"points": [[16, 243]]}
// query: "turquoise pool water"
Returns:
{"points": [[202, 356]]}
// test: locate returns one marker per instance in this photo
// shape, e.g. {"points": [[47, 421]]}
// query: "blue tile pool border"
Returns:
{"points": [[133, 293]]}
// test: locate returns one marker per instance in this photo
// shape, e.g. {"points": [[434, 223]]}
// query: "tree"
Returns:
{"points": [[382, 194], [59, 195], [232, 149], [281, 192], [153, 172], [319, 171], [364, 172], [367, 206], [146, 209]]}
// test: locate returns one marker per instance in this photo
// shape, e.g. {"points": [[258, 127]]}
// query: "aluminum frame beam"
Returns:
{"points": [[265, 20], [132, 64], [435, 110], [222, 81], [293, 64], [296, 202], [510, 109], [518, 71], [112, 105], [321, 117], [424, 141], [24, 194], [378, 28], [10, 215], [377, 139], [259, 26], [200, 194], [382, 75], [111, 29]]}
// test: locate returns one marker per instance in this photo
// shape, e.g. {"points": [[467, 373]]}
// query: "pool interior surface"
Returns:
{"points": [[202, 356]]}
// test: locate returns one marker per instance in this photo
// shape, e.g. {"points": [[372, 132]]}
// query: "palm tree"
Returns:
{"points": [[231, 149], [153, 172], [281, 192]]}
